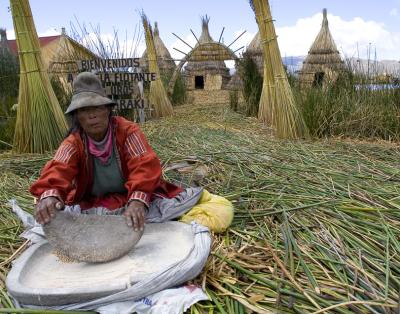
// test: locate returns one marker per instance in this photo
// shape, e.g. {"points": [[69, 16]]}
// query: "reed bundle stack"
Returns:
{"points": [[158, 97], [165, 62], [40, 124], [277, 105]]}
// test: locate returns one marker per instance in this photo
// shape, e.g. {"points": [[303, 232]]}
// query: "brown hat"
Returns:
{"points": [[88, 92]]}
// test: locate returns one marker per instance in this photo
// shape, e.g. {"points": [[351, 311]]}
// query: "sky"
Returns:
{"points": [[359, 28]]}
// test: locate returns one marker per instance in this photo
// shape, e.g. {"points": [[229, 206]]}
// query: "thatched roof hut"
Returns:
{"points": [[164, 60], [59, 53], [254, 50], [323, 63], [62, 54], [205, 68]]}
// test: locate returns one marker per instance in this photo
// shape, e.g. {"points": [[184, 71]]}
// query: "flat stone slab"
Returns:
{"points": [[39, 277], [91, 238]]}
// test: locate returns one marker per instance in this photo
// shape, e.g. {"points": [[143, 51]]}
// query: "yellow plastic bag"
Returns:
{"points": [[212, 211]]}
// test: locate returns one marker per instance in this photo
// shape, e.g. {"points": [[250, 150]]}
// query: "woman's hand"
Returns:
{"points": [[134, 214], [46, 209]]}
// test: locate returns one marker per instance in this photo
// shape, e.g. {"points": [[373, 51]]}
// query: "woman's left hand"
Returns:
{"points": [[134, 214]]}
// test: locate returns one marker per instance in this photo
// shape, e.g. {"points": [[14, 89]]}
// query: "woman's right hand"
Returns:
{"points": [[46, 209]]}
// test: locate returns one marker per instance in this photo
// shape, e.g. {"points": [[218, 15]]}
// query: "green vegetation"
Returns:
{"points": [[252, 85], [340, 109], [9, 80], [178, 96], [63, 94], [346, 108]]}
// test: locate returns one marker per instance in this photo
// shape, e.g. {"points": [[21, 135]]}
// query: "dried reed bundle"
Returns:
{"points": [[158, 96], [165, 62], [277, 105], [40, 124]]}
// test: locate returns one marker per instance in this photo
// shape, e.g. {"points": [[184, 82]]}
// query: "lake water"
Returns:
{"points": [[376, 86]]}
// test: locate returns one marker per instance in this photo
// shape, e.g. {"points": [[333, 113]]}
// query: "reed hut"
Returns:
{"points": [[254, 50], [323, 62], [59, 54], [165, 62], [206, 69]]}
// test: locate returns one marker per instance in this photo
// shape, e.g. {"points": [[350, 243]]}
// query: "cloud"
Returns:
{"points": [[244, 40], [296, 40], [178, 44], [48, 32], [394, 12], [10, 34]]}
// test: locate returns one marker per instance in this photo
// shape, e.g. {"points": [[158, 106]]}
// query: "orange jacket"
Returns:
{"points": [[69, 175]]}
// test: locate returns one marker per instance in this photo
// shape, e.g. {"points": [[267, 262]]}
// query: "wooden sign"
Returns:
{"points": [[122, 80]]}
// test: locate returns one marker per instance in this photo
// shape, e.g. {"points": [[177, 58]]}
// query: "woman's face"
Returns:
{"points": [[94, 121]]}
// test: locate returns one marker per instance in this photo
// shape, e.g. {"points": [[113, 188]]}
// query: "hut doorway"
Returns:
{"points": [[199, 82], [318, 79]]}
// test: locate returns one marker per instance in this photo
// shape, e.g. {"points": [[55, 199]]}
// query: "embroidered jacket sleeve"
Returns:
{"points": [[57, 176], [144, 168]]}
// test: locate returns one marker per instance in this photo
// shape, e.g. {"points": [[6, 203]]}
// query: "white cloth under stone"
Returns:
{"points": [[157, 293]]}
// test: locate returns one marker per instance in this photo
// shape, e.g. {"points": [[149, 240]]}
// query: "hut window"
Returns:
{"points": [[199, 82], [318, 79]]}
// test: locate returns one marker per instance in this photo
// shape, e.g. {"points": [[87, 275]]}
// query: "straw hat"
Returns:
{"points": [[88, 92]]}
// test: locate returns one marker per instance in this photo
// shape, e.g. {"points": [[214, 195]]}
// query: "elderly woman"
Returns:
{"points": [[104, 162]]}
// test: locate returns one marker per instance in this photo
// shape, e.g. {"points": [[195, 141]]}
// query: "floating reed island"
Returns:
{"points": [[316, 225]]}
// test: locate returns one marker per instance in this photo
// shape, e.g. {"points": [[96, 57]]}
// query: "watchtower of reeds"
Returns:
{"points": [[323, 62]]}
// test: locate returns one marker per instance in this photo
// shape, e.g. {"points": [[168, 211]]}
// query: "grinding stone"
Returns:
{"points": [[38, 277], [91, 238]]}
